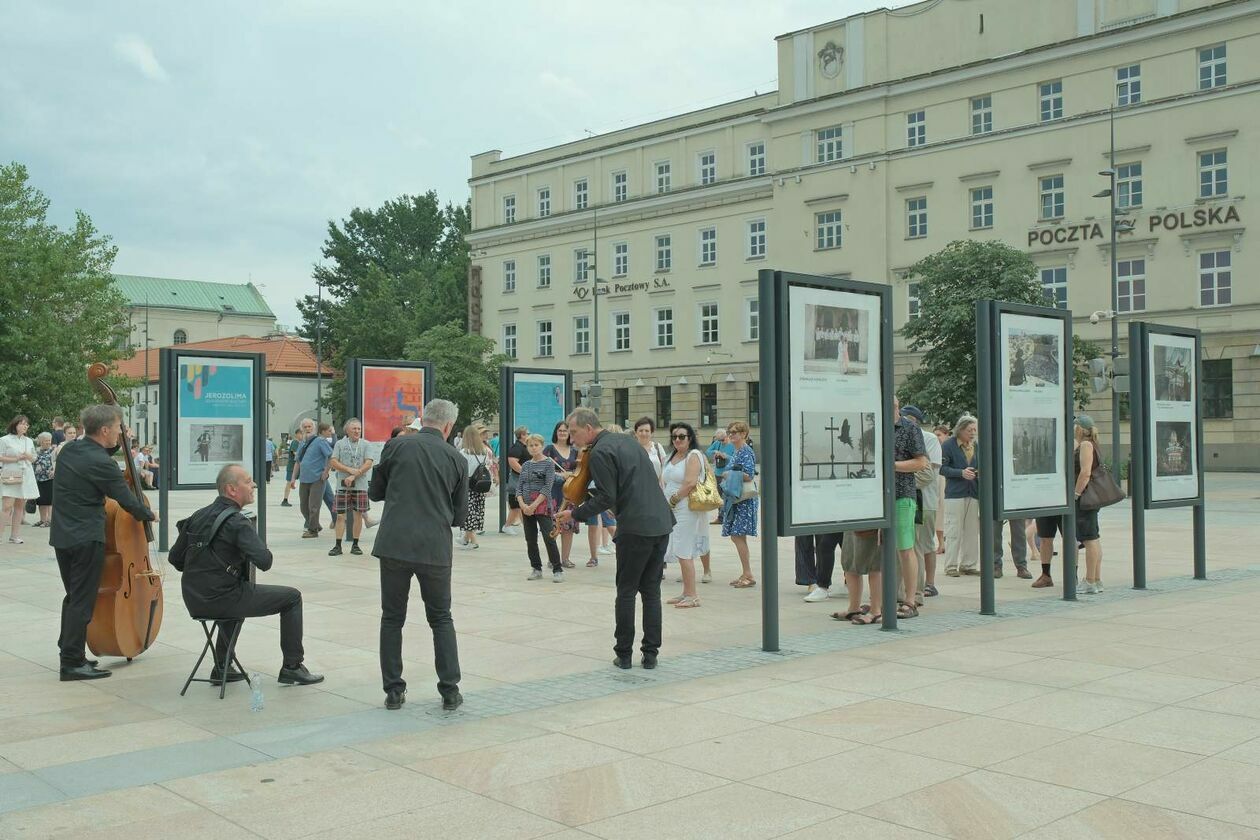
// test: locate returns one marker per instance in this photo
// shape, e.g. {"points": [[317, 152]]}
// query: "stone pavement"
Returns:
{"points": [[1129, 714]]}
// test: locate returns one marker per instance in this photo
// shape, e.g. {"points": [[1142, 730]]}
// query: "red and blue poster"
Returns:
{"points": [[391, 397]]}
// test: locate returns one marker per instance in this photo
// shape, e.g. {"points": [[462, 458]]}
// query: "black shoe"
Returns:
{"points": [[997, 571], [649, 661], [395, 699], [334, 551], [354, 549], [298, 676], [452, 702], [622, 662], [233, 675], [285, 503], [83, 672]]}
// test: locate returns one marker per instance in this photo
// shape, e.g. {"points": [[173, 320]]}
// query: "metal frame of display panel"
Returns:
{"points": [[507, 422]]}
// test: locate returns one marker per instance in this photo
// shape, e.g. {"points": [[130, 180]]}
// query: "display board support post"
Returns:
{"points": [[986, 349], [770, 466], [1138, 451], [1200, 539], [260, 447], [1068, 530], [505, 443], [890, 560], [166, 432], [1200, 512]]}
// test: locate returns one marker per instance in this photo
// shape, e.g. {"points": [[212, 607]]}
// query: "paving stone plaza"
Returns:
{"points": [[1126, 714]]}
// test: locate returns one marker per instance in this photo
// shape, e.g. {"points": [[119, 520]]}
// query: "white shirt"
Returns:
{"points": [[932, 493]]}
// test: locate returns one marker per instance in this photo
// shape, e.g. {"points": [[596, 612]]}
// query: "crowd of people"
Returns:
{"points": [[27, 468]]}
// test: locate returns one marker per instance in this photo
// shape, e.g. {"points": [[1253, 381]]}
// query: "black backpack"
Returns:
{"points": [[480, 481]]}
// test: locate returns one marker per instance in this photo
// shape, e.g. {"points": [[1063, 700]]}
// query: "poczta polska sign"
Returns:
{"points": [[1181, 220]]}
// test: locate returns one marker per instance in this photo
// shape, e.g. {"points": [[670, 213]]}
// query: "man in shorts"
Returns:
{"points": [[929, 495], [351, 462], [908, 458], [860, 555]]}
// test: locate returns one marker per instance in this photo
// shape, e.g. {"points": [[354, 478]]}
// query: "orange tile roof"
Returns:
{"points": [[286, 354]]}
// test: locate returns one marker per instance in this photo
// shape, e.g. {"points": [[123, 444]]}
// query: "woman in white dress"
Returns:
{"points": [[17, 475], [684, 469]]}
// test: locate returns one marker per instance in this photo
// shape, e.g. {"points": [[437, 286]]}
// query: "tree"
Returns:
{"points": [[392, 274], [950, 282], [466, 370], [59, 308]]}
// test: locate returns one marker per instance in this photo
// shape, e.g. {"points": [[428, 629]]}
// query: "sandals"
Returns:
{"points": [[863, 610], [592, 563], [568, 564], [867, 619], [687, 603], [930, 590], [676, 599], [742, 582], [905, 610]]}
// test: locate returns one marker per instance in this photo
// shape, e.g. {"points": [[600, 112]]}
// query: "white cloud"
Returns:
{"points": [[133, 50]]}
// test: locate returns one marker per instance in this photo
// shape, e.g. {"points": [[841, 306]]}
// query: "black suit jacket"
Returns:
{"points": [[218, 575], [85, 475], [626, 483], [423, 481]]}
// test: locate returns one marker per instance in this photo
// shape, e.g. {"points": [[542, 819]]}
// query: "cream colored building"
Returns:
{"points": [[173, 311], [892, 134]]}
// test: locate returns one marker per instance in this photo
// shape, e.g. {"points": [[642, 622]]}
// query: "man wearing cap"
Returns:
{"points": [[929, 493]]}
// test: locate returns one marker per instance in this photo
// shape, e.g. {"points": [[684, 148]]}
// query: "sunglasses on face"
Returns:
{"points": [[683, 436]]}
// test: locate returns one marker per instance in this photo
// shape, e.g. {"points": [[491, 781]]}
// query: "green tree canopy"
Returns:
{"points": [[950, 282], [465, 368], [59, 308]]}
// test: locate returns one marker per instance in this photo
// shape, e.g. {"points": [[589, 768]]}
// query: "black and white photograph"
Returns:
{"points": [[1033, 359], [837, 340], [837, 445], [1171, 373], [1034, 445], [218, 443], [1173, 448]]}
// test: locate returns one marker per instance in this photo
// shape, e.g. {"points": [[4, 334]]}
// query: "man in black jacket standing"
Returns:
{"points": [[215, 562], [625, 482], [423, 482], [86, 474]]}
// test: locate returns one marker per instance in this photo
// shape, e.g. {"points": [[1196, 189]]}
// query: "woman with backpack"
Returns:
{"points": [[481, 469]]}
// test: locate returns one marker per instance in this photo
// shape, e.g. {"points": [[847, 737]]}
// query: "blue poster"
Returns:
{"points": [[215, 390], [538, 402]]}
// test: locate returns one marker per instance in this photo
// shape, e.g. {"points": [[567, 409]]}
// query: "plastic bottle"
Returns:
{"points": [[256, 697]]}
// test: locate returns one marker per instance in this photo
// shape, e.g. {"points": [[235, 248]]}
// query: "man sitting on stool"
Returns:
{"points": [[216, 577]]}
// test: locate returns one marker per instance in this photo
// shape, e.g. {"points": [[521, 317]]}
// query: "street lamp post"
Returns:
{"points": [[319, 358], [593, 269], [1114, 313]]}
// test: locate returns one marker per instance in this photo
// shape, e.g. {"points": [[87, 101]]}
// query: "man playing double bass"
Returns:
{"points": [[86, 474]]}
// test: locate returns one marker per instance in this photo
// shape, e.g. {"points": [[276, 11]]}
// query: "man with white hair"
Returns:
{"points": [[352, 461], [423, 482]]}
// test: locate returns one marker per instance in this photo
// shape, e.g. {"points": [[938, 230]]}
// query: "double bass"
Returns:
{"points": [[128, 612]]}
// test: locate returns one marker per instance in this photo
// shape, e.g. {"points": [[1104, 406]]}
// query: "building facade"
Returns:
{"points": [[168, 311], [892, 134]]}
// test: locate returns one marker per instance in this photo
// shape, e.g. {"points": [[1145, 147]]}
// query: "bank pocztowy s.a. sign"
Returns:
{"points": [[1181, 220], [614, 287]]}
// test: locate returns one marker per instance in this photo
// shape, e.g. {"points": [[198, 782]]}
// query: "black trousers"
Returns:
{"points": [[533, 526], [80, 566], [640, 564], [309, 498], [255, 601], [816, 558], [435, 590]]}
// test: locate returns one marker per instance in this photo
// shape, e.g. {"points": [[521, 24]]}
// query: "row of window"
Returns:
{"points": [[708, 330], [663, 401]]}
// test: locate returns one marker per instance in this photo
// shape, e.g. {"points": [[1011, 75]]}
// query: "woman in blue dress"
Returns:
{"points": [[740, 519]]}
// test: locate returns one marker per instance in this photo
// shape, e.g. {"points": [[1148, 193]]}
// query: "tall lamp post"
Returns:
{"points": [[597, 389], [319, 357], [1114, 313]]}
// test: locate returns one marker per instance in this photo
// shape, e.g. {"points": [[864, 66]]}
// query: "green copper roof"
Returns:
{"points": [[239, 298]]}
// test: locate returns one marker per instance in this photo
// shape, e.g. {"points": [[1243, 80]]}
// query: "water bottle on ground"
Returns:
{"points": [[256, 697]]}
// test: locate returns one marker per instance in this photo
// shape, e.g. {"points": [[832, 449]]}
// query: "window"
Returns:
{"points": [[621, 407], [756, 239], [754, 404], [708, 167], [1129, 85], [1051, 94], [1129, 185], [664, 252], [544, 271], [544, 338], [982, 115], [1131, 285], [709, 323], [664, 406], [828, 227], [1215, 278], [1218, 389], [1213, 174], [916, 129], [621, 186], [916, 217], [180, 337], [665, 327], [1054, 286], [708, 246], [581, 265], [662, 176], [1211, 67], [621, 259], [708, 404], [509, 209], [581, 335], [752, 319], [756, 158], [981, 208], [1051, 197], [544, 202], [509, 275], [621, 330], [581, 192], [914, 305], [830, 143], [509, 340]]}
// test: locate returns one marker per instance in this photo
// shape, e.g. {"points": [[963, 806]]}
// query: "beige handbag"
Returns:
{"points": [[705, 496]]}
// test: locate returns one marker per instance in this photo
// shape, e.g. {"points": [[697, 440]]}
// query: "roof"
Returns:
{"points": [[239, 298], [286, 354]]}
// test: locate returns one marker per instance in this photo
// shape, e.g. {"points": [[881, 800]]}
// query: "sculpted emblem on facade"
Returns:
{"points": [[830, 60]]}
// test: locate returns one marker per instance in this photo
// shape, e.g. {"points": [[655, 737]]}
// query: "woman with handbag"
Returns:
{"points": [[43, 468], [1099, 489], [739, 519], [684, 473], [17, 477]]}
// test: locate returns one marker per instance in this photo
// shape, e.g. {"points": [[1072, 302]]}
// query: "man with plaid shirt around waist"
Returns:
{"points": [[351, 462]]}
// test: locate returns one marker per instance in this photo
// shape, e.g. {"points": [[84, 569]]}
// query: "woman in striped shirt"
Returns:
{"points": [[533, 490]]}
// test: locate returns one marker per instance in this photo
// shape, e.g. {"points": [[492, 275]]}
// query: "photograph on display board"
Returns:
{"points": [[1034, 446], [1171, 373], [837, 445], [391, 397], [538, 401], [216, 443], [1173, 448], [837, 340], [1034, 359]]}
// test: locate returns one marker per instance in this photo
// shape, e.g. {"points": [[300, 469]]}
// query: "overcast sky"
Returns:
{"points": [[214, 141]]}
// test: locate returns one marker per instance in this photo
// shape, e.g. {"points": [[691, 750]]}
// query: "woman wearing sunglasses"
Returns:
{"points": [[684, 469]]}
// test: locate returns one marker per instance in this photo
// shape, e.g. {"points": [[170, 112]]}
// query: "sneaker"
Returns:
{"points": [[1023, 572], [334, 551], [354, 549], [285, 503], [1098, 587], [997, 571], [535, 574], [511, 530], [605, 549], [1086, 588], [951, 573], [707, 577], [817, 594], [309, 535], [557, 577]]}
